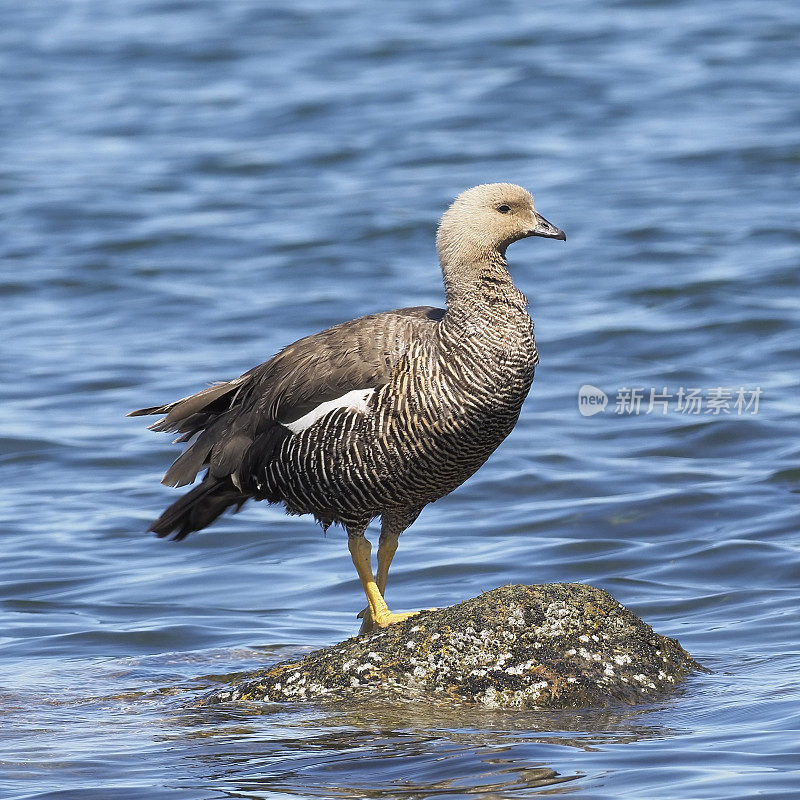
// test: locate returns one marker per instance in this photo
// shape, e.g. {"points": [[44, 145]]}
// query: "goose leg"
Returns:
{"points": [[392, 525], [378, 614], [387, 547]]}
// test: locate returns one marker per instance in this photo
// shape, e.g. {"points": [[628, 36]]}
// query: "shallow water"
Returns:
{"points": [[186, 187]]}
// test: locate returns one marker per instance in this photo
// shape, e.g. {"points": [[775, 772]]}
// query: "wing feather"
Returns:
{"points": [[230, 416]]}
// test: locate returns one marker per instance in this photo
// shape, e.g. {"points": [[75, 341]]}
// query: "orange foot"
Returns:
{"points": [[383, 620]]}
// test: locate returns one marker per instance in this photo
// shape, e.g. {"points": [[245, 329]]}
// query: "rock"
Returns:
{"points": [[551, 646]]}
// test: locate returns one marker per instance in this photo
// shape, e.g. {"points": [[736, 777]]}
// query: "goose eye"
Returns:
{"points": [[504, 209]]}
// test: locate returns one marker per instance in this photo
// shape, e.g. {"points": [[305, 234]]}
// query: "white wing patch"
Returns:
{"points": [[356, 401]]}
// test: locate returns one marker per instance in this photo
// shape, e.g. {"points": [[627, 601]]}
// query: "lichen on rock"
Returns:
{"points": [[546, 646]]}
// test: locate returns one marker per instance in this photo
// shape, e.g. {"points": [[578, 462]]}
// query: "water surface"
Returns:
{"points": [[187, 187]]}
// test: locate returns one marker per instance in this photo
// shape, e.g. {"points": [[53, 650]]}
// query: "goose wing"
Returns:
{"points": [[227, 419]]}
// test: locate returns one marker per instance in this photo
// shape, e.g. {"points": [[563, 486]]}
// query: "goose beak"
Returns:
{"points": [[546, 229]]}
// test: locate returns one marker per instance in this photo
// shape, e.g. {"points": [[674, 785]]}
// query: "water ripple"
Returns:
{"points": [[189, 186]]}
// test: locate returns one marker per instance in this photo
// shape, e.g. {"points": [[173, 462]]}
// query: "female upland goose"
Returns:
{"points": [[378, 416]]}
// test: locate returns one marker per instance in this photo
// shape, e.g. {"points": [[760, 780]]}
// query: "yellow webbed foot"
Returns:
{"points": [[368, 623], [382, 620]]}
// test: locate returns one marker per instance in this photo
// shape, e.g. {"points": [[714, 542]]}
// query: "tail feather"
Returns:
{"points": [[198, 508]]}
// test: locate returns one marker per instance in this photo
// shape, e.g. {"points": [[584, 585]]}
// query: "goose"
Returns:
{"points": [[378, 416]]}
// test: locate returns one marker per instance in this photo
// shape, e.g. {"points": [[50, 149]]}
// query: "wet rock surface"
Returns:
{"points": [[564, 645]]}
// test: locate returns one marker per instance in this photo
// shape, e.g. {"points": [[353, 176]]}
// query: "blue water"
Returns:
{"points": [[185, 187]]}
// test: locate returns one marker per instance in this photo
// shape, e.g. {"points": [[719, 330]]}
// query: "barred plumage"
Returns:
{"points": [[378, 416]]}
